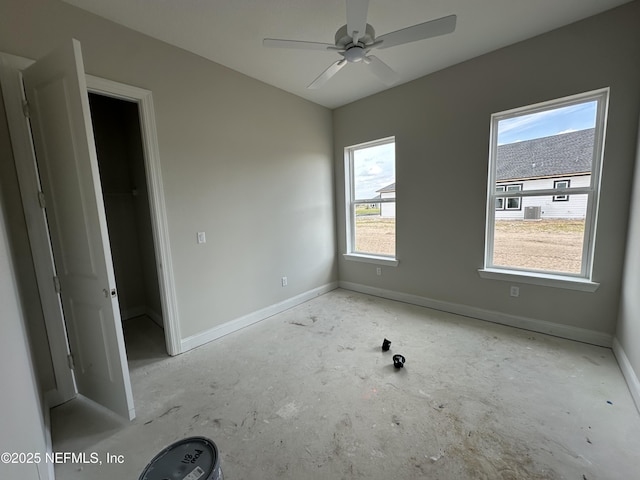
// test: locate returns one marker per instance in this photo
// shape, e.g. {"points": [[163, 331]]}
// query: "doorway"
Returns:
{"points": [[11, 79], [119, 147]]}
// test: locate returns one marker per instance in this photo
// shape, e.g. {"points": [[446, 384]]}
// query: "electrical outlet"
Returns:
{"points": [[514, 291], [378, 271], [284, 281], [202, 238]]}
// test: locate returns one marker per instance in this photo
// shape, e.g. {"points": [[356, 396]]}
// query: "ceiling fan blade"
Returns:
{"points": [[357, 18], [433, 28], [381, 70], [297, 44], [327, 74]]}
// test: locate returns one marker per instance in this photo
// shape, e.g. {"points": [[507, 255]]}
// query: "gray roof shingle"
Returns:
{"points": [[558, 155], [389, 188]]}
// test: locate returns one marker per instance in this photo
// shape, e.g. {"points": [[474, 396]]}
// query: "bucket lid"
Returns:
{"points": [[193, 458]]}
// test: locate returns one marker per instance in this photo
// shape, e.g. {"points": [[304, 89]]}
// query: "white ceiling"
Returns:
{"points": [[230, 32]]}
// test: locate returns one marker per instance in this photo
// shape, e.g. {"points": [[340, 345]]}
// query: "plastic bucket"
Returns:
{"points": [[193, 458]]}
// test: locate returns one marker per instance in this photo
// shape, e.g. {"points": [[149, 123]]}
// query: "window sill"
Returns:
{"points": [[360, 257], [546, 280]]}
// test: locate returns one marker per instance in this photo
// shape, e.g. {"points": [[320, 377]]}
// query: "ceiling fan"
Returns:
{"points": [[357, 38]]}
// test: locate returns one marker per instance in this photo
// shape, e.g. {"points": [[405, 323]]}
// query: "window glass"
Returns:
{"points": [[547, 144], [371, 182], [561, 184], [552, 245], [535, 151], [500, 200]]}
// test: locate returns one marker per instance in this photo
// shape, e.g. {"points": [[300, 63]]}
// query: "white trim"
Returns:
{"points": [[544, 279], [24, 157], [38, 231], [140, 310], [542, 192], [601, 97], [350, 201], [49, 474], [234, 325], [155, 316], [628, 372], [14, 62], [372, 143], [541, 326], [133, 312], [159, 223], [364, 201], [53, 398], [361, 257]]}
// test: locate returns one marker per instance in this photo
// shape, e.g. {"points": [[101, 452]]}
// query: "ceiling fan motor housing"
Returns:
{"points": [[344, 40]]}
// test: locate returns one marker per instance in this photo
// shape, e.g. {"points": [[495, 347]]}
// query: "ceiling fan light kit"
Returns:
{"points": [[357, 38]]}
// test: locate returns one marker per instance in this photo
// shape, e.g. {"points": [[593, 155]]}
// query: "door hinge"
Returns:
{"points": [[41, 200], [25, 109], [56, 284], [71, 361]]}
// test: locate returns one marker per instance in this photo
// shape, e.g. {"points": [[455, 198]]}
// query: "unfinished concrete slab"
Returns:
{"points": [[309, 393]]}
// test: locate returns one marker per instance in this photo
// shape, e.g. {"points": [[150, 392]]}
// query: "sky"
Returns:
{"points": [[373, 169], [546, 123]]}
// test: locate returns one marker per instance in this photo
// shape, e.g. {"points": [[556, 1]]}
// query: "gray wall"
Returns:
{"points": [[245, 162], [441, 124], [116, 127], [20, 402], [254, 167], [142, 211], [628, 333]]}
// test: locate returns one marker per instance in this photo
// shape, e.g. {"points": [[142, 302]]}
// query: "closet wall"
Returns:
{"points": [[116, 127]]}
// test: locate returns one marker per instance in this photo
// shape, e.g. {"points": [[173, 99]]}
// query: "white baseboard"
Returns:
{"points": [[628, 372], [254, 317], [133, 312], [53, 398], [155, 316], [48, 473], [541, 326], [138, 311]]}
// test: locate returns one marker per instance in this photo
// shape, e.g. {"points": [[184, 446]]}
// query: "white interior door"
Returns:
{"points": [[63, 138]]}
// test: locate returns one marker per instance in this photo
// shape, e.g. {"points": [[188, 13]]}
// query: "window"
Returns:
{"points": [[534, 152], [500, 200], [512, 203], [561, 184], [370, 177]]}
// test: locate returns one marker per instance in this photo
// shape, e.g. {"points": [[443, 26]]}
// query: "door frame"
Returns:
{"points": [[38, 232], [159, 225]]}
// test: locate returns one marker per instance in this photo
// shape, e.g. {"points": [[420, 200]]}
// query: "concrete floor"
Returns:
{"points": [[309, 394]]}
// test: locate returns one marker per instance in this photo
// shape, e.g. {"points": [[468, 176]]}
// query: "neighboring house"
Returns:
{"points": [[558, 161], [388, 209]]}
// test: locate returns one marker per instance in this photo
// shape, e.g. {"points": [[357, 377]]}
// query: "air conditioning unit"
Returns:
{"points": [[532, 213]]}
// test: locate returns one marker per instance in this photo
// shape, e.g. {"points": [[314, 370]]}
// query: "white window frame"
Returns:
{"points": [[500, 200], [513, 187], [567, 184], [350, 207], [582, 281]]}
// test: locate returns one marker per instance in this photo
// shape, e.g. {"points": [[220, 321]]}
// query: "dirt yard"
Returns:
{"points": [[552, 245], [376, 235]]}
